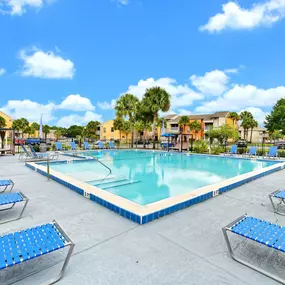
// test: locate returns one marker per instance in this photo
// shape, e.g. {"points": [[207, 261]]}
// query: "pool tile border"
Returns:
{"points": [[145, 214]]}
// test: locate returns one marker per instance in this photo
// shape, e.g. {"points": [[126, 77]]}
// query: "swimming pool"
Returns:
{"points": [[146, 177], [146, 185]]}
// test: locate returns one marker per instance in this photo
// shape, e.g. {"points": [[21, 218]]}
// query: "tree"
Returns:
{"points": [[74, 131], [184, 121], [144, 118], [35, 127], [58, 134], [234, 116], [127, 105], [20, 125], [2, 133], [212, 134], [91, 129], [126, 128], [156, 99], [29, 130], [196, 127], [46, 130], [119, 125], [2, 122], [252, 124], [276, 119], [228, 132], [276, 135], [246, 118]]}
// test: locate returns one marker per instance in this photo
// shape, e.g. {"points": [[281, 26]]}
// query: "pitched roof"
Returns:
{"points": [[220, 114]]}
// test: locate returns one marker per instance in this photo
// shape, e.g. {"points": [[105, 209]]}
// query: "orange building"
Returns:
{"points": [[206, 121]]}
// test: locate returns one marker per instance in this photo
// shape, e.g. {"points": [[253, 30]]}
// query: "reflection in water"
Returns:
{"points": [[159, 176]]}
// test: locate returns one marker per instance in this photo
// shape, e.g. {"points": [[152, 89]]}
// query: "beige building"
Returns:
{"points": [[257, 134]]}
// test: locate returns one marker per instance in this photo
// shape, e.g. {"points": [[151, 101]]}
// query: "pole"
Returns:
{"points": [[181, 144], [48, 169]]}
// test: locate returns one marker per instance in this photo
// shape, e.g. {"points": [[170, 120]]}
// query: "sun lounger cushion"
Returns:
{"points": [[280, 194], [6, 182], [28, 244], [10, 198], [261, 231]]}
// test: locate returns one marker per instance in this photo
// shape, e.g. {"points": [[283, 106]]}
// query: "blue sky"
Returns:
{"points": [[70, 60]]}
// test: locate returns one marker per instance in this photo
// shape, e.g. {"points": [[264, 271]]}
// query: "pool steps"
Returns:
{"points": [[112, 182]]}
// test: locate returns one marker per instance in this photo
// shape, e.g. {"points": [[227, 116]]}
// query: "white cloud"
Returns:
{"points": [[243, 96], [2, 71], [182, 95], [19, 7], [183, 112], [76, 103], [123, 2], [236, 17], [29, 109], [258, 114], [75, 119], [37, 63], [106, 105], [212, 83], [231, 70], [32, 110]]}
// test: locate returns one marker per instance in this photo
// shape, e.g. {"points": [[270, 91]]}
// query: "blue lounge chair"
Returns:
{"points": [[100, 145], [24, 245], [86, 146], [233, 150], [252, 151], [43, 155], [58, 146], [273, 152], [9, 200], [4, 184], [267, 234], [73, 145], [111, 144], [278, 195]]}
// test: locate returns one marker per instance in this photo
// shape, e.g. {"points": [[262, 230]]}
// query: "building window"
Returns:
{"points": [[112, 129], [123, 137], [104, 130]]}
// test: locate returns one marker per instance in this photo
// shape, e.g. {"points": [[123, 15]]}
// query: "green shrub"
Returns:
{"points": [[201, 146], [217, 149]]}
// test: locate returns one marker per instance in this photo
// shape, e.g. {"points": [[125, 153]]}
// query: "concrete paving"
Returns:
{"points": [[184, 248]]}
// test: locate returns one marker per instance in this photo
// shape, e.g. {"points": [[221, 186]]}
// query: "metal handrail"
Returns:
{"points": [[95, 158]]}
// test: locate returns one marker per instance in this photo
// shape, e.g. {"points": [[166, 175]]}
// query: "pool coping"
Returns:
{"points": [[143, 214]]}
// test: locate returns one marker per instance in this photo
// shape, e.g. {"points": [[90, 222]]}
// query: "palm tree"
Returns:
{"points": [[196, 127], [252, 124], [2, 133], [246, 118], [156, 99], [46, 130], [234, 116], [20, 125], [119, 125], [127, 105], [184, 121], [29, 130], [57, 134]]}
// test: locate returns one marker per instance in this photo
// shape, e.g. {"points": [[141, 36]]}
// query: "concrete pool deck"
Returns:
{"points": [[186, 247]]}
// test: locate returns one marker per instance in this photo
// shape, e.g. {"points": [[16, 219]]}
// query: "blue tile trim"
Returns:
{"points": [[156, 215]]}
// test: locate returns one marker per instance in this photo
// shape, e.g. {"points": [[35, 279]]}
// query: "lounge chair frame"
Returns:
{"points": [[272, 196], [227, 229], [24, 202], [6, 187], [69, 243]]}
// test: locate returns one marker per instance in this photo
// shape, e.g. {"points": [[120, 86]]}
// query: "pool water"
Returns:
{"points": [[146, 177]]}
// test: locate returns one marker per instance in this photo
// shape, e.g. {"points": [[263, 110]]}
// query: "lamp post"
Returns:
{"points": [[263, 138]]}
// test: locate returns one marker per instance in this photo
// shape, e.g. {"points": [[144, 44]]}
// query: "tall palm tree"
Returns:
{"points": [[46, 130], [119, 125], [196, 127], [156, 99], [234, 116], [184, 121], [20, 125], [252, 124], [127, 105], [246, 118]]}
